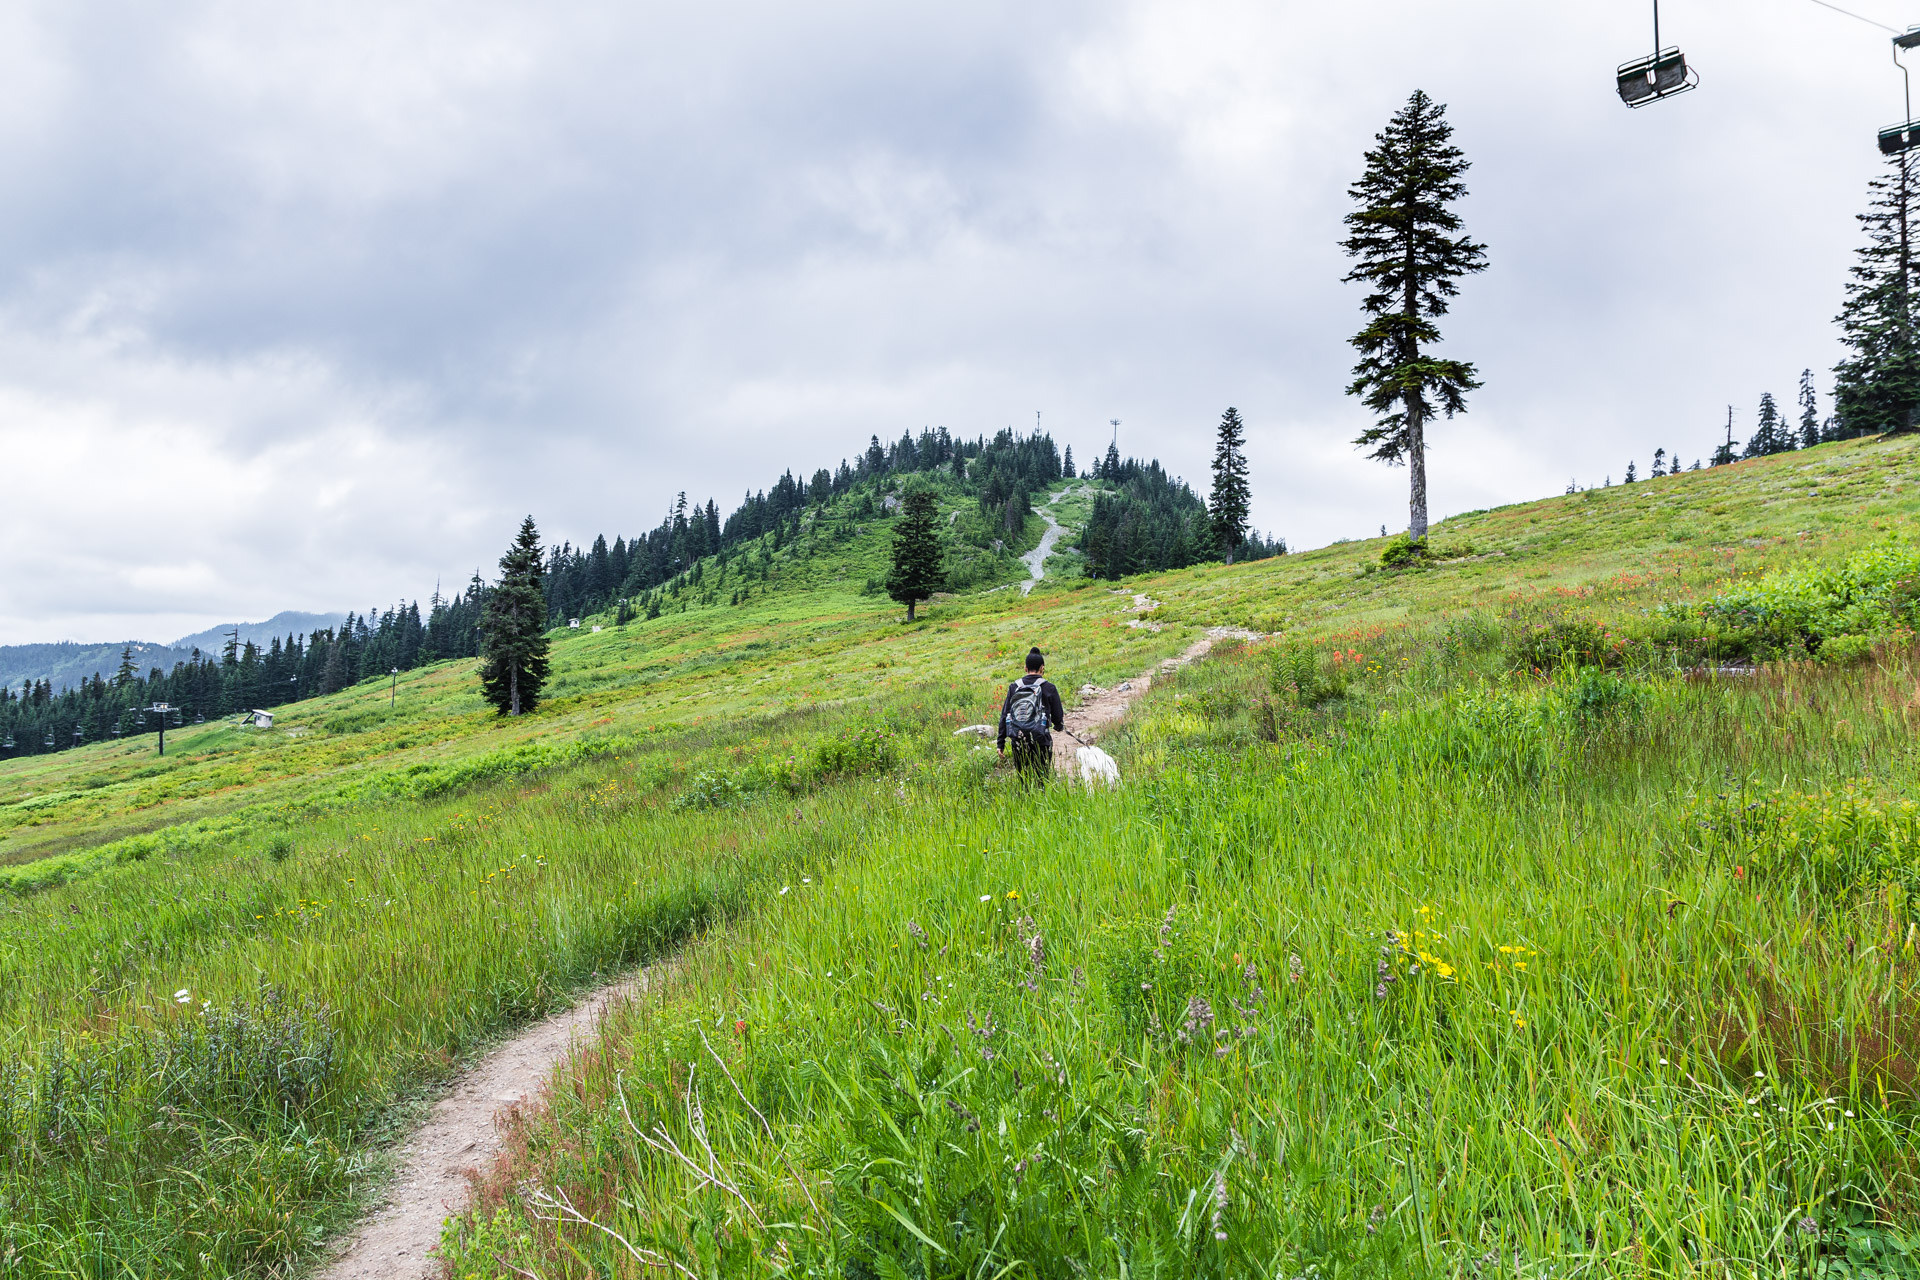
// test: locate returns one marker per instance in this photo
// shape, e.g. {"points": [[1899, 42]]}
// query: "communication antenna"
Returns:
{"points": [[1661, 74]]}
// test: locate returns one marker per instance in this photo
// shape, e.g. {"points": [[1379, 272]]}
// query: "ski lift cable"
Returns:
{"points": [[1858, 17], [1895, 138]]}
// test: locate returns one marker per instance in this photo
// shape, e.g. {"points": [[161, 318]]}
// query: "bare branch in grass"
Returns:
{"points": [[778, 1150], [661, 1141], [563, 1211]]}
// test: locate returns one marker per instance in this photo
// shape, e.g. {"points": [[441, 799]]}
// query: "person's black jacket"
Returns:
{"points": [[1049, 698]]}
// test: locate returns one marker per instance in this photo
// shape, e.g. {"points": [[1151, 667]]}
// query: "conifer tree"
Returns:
{"points": [[513, 641], [1631, 478], [1411, 260], [1066, 465], [1809, 411], [1659, 464], [1877, 387], [1228, 509], [333, 676], [917, 572], [1770, 434]]}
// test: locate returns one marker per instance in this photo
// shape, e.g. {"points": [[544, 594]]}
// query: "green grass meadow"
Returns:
{"points": [[1513, 915]]}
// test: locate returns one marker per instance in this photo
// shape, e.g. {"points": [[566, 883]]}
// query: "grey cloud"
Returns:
{"points": [[357, 285]]}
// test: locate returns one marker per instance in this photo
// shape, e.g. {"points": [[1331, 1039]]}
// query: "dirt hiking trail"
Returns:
{"points": [[462, 1136], [1098, 708], [1036, 559]]}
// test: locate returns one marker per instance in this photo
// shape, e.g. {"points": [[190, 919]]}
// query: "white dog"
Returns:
{"points": [[1097, 767]]}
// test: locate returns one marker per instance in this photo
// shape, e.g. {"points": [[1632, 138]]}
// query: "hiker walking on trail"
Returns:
{"points": [[1029, 716]]}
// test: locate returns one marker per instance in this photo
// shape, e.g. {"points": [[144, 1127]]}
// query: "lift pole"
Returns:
{"points": [[163, 710]]}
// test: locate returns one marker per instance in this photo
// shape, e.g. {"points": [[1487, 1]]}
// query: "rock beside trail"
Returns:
{"points": [[983, 730]]}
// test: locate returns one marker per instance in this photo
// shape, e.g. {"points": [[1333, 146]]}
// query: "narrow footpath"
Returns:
{"points": [[463, 1136], [1098, 708]]}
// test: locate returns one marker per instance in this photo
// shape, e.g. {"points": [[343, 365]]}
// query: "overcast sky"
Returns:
{"points": [[303, 306]]}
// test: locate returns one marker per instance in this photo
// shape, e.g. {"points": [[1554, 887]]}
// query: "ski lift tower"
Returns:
{"points": [[163, 710]]}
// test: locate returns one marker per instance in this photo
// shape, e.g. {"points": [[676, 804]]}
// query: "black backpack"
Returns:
{"points": [[1027, 713]]}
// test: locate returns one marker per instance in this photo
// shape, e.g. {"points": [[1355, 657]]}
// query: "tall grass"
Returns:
{"points": [[1424, 981], [196, 1055]]}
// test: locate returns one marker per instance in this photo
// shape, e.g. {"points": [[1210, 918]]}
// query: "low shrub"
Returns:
{"points": [[857, 753], [1845, 650], [1847, 841], [1402, 552], [1566, 642], [1872, 592], [1593, 697], [1307, 678], [1151, 969], [714, 789]]}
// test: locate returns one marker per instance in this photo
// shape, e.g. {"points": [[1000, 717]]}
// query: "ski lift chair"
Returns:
{"points": [[1659, 75], [1905, 135]]}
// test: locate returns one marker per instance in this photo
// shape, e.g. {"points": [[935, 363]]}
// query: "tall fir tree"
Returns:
{"points": [[1228, 509], [917, 571], [1770, 434], [1410, 256], [1809, 411], [1066, 465], [1877, 387], [513, 622]]}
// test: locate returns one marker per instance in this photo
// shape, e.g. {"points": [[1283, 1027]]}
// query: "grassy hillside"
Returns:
{"points": [[1401, 948], [788, 645], [807, 602]]}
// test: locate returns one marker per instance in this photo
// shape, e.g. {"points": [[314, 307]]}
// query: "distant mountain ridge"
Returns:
{"points": [[278, 627], [67, 663]]}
